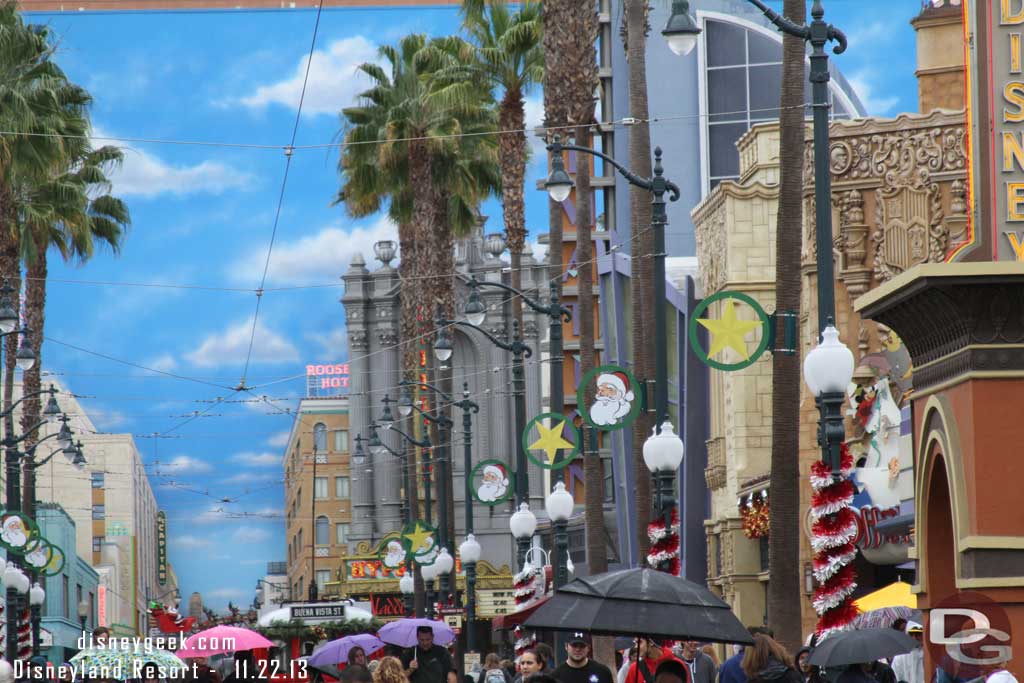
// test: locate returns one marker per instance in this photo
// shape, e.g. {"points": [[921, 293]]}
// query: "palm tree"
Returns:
{"points": [[35, 97], [784, 539], [509, 55]]}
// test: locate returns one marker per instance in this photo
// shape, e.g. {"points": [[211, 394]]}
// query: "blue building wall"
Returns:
{"points": [[60, 611]]}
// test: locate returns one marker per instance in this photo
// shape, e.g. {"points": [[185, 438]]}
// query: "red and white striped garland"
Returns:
{"points": [[664, 544], [524, 642], [834, 529]]}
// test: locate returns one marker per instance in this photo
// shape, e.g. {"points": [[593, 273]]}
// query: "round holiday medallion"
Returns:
{"points": [[550, 428], [729, 331], [616, 401], [490, 482]]}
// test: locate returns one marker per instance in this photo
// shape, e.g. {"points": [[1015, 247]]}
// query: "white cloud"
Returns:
{"points": [[226, 594], [862, 82], [252, 478], [190, 542], [211, 515], [185, 463], [332, 342], [533, 108], [334, 80], [250, 534], [279, 440], [106, 420], [252, 562], [258, 459], [165, 362], [146, 175], [230, 346], [319, 258]]}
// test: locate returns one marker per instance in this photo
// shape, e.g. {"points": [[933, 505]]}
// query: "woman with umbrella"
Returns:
{"points": [[768, 662]]}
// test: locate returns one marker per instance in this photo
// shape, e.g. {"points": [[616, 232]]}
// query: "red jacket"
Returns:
{"points": [[635, 676]]}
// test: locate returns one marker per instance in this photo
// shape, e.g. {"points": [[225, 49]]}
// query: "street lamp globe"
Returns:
{"points": [[828, 368], [83, 610], [558, 184], [444, 562], [443, 346], [52, 411], [523, 522], [407, 584], [36, 596], [405, 403], [559, 505], [25, 358], [79, 462], [470, 550], [430, 571], [8, 316], [376, 445], [70, 452], [359, 455], [386, 420], [65, 435], [475, 309], [681, 31], [663, 452]]}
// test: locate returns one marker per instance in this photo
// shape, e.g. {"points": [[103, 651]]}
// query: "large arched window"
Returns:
{"points": [[323, 531], [320, 437]]}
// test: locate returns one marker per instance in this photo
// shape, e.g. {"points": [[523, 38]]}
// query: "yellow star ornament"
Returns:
{"points": [[551, 441], [729, 331], [418, 538]]}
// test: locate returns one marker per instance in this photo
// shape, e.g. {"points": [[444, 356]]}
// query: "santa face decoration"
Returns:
{"points": [[491, 482], [393, 554], [615, 404], [14, 533]]}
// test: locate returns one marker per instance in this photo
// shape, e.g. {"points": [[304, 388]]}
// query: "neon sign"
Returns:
{"points": [[325, 380]]}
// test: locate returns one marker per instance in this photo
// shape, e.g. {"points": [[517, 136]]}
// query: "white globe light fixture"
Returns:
{"points": [[406, 584], [470, 550], [444, 562], [523, 523], [828, 368], [36, 596], [475, 310], [663, 452], [25, 359], [430, 571], [681, 31], [558, 184], [560, 504]]}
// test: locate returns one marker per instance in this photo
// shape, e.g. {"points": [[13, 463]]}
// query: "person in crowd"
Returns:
{"points": [[650, 654], [768, 662], [709, 650], [627, 662], [909, 667], [531, 664], [390, 670], [732, 669], [150, 673], [702, 667], [492, 670], [547, 654], [578, 666], [356, 657], [427, 662], [542, 678], [100, 636], [245, 668], [509, 667], [803, 668], [672, 671], [867, 672]]}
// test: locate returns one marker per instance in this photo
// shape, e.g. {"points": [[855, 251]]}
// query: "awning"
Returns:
{"points": [[507, 622], [894, 595]]}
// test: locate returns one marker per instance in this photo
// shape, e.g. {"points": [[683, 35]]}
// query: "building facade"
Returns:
{"points": [[372, 317], [318, 494], [75, 588], [273, 590]]}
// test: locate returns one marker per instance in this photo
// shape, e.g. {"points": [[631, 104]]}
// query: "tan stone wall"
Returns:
{"points": [[942, 90], [940, 59]]}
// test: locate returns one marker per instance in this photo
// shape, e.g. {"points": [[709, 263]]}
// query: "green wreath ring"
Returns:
{"points": [[703, 306], [557, 464], [635, 405], [509, 490]]}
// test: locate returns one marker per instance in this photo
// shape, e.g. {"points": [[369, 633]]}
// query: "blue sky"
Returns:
{"points": [[203, 215]]}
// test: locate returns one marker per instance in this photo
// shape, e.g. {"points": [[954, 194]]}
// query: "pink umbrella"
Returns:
{"points": [[220, 640]]}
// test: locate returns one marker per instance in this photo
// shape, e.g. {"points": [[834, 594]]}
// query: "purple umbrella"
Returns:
{"points": [[336, 651], [403, 632]]}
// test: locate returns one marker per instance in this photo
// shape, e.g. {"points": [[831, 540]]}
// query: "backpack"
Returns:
{"points": [[494, 676]]}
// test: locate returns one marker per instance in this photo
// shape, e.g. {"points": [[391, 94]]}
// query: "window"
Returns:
{"points": [[298, 499], [341, 532], [322, 577], [342, 488], [320, 437], [78, 593], [97, 543], [323, 531], [298, 592], [320, 488], [341, 440], [97, 480], [92, 608], [301, 544], [98, 512], [67, 597]]}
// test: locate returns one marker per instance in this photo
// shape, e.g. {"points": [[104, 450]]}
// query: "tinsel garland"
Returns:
{"points": [[664, 543], [287, 630], [524, 641], [524, 586], [834, 528]]}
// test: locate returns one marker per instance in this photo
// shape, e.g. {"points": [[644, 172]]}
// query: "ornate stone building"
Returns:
{"points": [[372, 316], [899, 200]]}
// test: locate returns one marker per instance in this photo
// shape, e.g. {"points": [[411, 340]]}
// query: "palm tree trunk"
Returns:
{"points": [[784, 522], [409, 295], [10, 270], [35, 311], [512, 153], [642, 249]]}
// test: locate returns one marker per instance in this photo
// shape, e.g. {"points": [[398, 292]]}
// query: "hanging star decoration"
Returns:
{"points": [[551, 441], [418, 537], [729, 331]]}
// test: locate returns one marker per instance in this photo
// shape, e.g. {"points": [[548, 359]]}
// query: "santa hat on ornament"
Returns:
{"points": [[619, 381], [497, 472]]}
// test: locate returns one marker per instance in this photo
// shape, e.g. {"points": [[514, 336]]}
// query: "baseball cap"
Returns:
{"points": [[914, 627], [579, 637]]}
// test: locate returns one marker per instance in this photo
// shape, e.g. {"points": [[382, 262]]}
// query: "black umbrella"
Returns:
{"points": [[860, 646], [643, 602]]}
